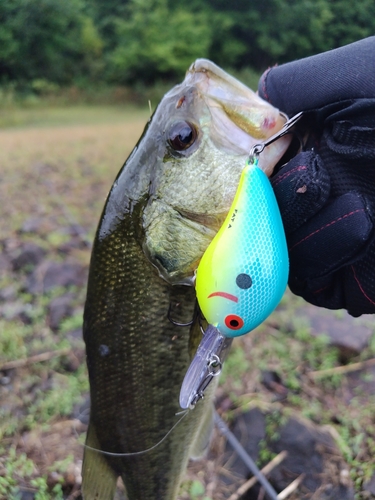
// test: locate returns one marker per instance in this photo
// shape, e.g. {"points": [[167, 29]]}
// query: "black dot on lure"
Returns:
{"points": [[244, 281]]}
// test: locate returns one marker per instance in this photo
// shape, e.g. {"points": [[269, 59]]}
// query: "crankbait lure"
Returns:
{"points": [[244, 271], [242, 274]]}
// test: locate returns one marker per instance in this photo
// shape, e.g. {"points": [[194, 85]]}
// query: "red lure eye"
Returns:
{"points": [[234, 322]]}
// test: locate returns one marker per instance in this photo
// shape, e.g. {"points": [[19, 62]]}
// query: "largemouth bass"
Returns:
{"points": [[165, 206]]}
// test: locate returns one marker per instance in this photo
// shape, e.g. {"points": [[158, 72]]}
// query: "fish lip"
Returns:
{"points": [[226, 295], [206, 66]]}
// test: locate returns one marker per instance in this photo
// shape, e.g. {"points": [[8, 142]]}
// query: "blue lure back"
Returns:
{"points": [[244, 271]]}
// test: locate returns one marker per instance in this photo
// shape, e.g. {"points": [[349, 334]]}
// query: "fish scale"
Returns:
{"points": [[128, 389]]}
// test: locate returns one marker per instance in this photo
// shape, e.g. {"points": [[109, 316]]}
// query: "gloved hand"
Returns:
{"points": [[326, 193]]}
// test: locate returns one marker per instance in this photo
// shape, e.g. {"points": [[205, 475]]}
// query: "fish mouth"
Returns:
{"points": [[226, 295], [242, 105], [240, 118]]}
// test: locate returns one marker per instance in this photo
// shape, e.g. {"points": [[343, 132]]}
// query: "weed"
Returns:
{"points": [[265, 455], [72, 322], [13, 335], [43, 492], [196, 489], [15, 469], [236, 364]]}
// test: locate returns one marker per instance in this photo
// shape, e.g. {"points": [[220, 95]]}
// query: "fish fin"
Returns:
{"points": [[98, 479], [202, 440]]}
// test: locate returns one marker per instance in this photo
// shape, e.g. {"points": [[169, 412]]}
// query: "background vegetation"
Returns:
{"points": [[48, 44]]}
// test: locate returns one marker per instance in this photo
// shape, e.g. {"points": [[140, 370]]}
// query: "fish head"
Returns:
{"points": [[183, 174]]}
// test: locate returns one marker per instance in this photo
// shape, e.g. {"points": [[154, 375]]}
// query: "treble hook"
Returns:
{"points": [[286, 129]]}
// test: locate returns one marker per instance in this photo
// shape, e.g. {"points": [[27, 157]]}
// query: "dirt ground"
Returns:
{"points": [[300, 387]]}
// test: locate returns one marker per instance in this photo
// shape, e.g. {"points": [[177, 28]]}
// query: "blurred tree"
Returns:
{"points": [[92, 65], [277, 31], [9, 45], [290, 29], [105, 14], [350, 21], [157, 42], [45, 39], [127, 41]]}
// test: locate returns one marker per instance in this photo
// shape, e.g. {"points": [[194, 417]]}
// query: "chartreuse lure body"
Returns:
{"points": [[244, 271]]}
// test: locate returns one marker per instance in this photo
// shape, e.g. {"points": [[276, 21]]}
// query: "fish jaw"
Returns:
{"points": [[240, 117]]}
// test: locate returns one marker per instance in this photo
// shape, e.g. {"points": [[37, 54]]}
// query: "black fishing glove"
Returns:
{"points": [[326, 193]]}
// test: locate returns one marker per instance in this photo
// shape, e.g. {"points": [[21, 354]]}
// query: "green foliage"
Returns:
{"points": [[13, 336], [236, 365], [16, 15], [196, 489], [153, 40], [45, 39], [47, 42], [13, 467], [284, 30], [16, 469]]}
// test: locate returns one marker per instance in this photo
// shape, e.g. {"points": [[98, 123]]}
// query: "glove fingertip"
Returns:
{"points": [[301, 188]]}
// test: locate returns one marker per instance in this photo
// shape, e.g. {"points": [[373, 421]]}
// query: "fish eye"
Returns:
{"points": [[233, 321], [244, 281], [181, 135]]}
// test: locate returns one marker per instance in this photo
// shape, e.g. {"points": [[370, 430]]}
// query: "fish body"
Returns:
{"points": [[165, 206], [244, 271]]}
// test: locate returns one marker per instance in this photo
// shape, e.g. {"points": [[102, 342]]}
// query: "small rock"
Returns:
{"points": [[59, 308], [82, 411], [12, 310], [311, 451], [73, 474], [32, 225], [73, 360], [54, 478], [73, 244], [74, 335], [359, 384], [29, 254], [250, 429], [370, 485], [350, 335], [5, 264], [49, 275], [26, 494], [8, 293]]}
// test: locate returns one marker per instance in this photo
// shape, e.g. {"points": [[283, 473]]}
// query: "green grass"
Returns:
{"points": [[42, 116]]}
